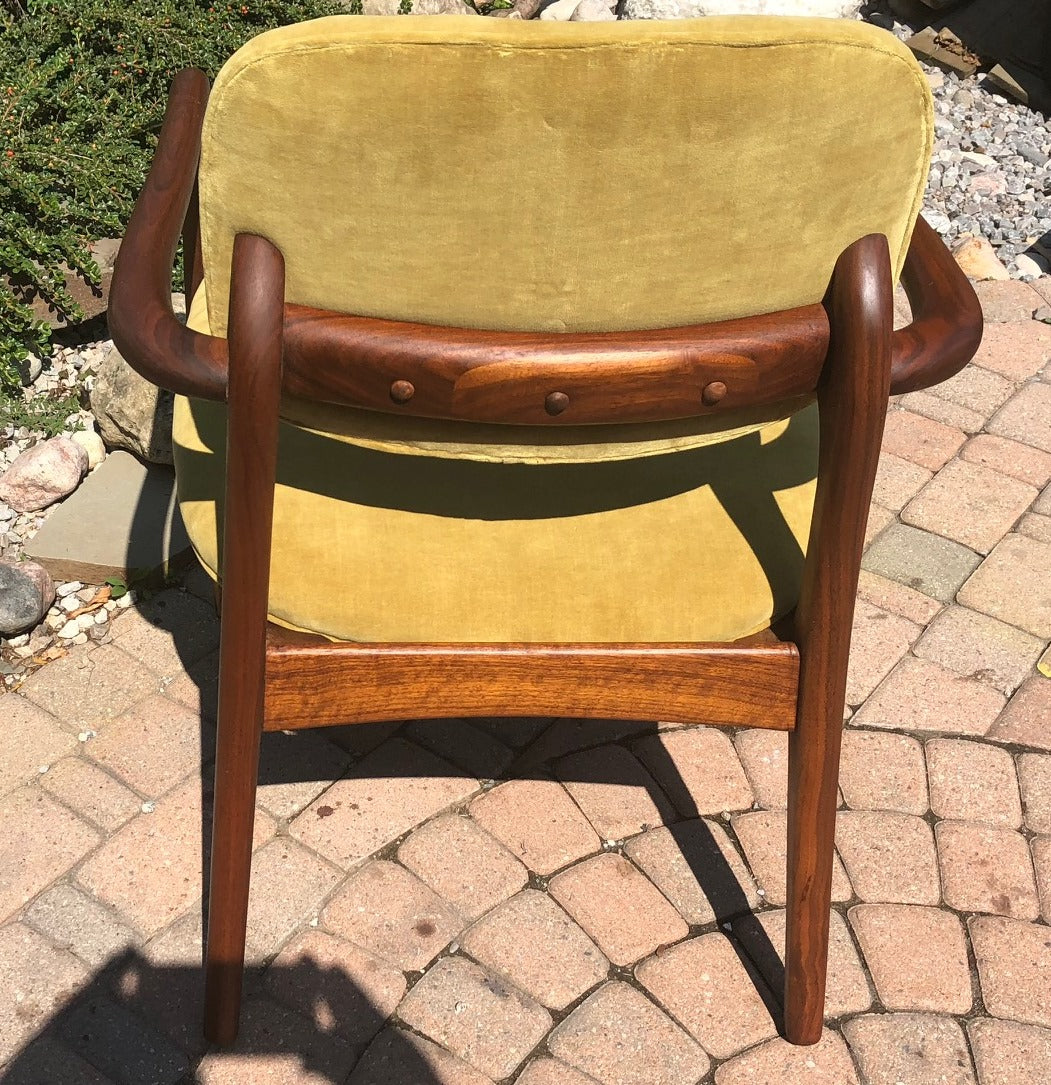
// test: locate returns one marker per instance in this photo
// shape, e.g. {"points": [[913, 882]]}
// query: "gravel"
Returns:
{"points": [[990, 174]]}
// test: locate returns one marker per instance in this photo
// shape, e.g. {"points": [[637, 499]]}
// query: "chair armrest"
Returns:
{"points": [[946, 328], [141, 319]]}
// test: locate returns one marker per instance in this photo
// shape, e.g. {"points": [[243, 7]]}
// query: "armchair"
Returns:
{"points": [[557, 442]]}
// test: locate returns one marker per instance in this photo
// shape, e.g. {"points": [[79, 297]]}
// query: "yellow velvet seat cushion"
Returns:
{"points": [[697, 545]]}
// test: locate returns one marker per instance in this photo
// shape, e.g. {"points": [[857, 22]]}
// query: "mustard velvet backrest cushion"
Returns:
{"points": [[562, 176]]}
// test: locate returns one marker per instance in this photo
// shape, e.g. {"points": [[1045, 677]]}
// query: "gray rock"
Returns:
{"points": [[592, 11], [130, 412], [43, 474], [29, 369], [26, 591], [92, 444]]}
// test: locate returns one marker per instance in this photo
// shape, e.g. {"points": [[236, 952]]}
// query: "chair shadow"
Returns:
{"points": [[148, 988]]}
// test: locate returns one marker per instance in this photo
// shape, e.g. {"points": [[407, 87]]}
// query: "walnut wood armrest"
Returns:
{"points": [[946, 328], [141, 319]]}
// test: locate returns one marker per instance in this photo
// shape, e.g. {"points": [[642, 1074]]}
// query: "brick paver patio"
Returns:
{"points": [[564, 902]]}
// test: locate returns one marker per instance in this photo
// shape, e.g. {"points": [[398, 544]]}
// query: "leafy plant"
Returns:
{"points": [[82, 94], [43, 412]]}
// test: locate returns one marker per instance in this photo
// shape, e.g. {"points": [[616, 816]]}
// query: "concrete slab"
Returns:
{"points": [[122, 522]]}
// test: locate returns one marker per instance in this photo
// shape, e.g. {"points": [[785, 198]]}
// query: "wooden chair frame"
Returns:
{"points": [[843, 350]]}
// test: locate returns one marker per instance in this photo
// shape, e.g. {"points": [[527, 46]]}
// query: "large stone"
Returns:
{"points": [[978, 259], [43, 474], [26, 591], [131, 412], [685, 9], [123, 522]]}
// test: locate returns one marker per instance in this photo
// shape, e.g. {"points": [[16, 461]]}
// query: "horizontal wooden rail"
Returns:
{"points": [[549, 378], [315, 685]]}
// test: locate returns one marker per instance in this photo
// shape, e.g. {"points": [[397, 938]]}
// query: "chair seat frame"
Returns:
{"points": [[843, 351]]}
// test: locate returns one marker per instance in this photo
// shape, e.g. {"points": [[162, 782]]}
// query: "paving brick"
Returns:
{"points": [[889, 856], [91, 792], [763, 937], [1014, 965], [397, 1057], [825, 1063], [32, 740], [1035, 527], [1020, 461], [976, 388], [917, 957], [544, 1071], [1041, 848], [72, 688], [393, 789], [897, 598], [698, 769], [531, 942], [923, 696], [972, 781], [153, 745], [1017, 351], [695, 865], [944, 411], [1007, 300], [37, 980], [121, 1044], [910, 1049], [150, 870], [39, 843], [78, 923], [764, 757], [898, 481], [878, 641], [970, 504], [198, 688], [390, 912], [288, 885], [921, 440], [619, 1037], [618, 907], [463, 863], [986, 869], [538, 822], [515, 731], [705, 986], [168, 632], [928, 563], [1034, 778], [616, 794], [48, 1060], [163, 982], [278, 1047], [1025, 719], [977, 646], [763, 835], [1026, 417], [1007, 1053], [876, 521], [566, 736], [294, 768], [336, 985], [880, 771], [1002, 585], [479, 1018], [476, 751]]}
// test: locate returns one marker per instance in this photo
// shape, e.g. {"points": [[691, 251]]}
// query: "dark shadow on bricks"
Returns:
{"points": [[138, 1023]]}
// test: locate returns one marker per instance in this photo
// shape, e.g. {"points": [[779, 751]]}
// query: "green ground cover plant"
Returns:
{"points": [[83, 84]]}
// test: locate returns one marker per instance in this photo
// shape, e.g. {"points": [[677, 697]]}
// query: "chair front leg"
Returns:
{"points": [[255, 338]]}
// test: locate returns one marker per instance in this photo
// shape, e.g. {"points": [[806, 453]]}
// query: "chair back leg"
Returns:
{"points": [[255, 337], [852, 399]]}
